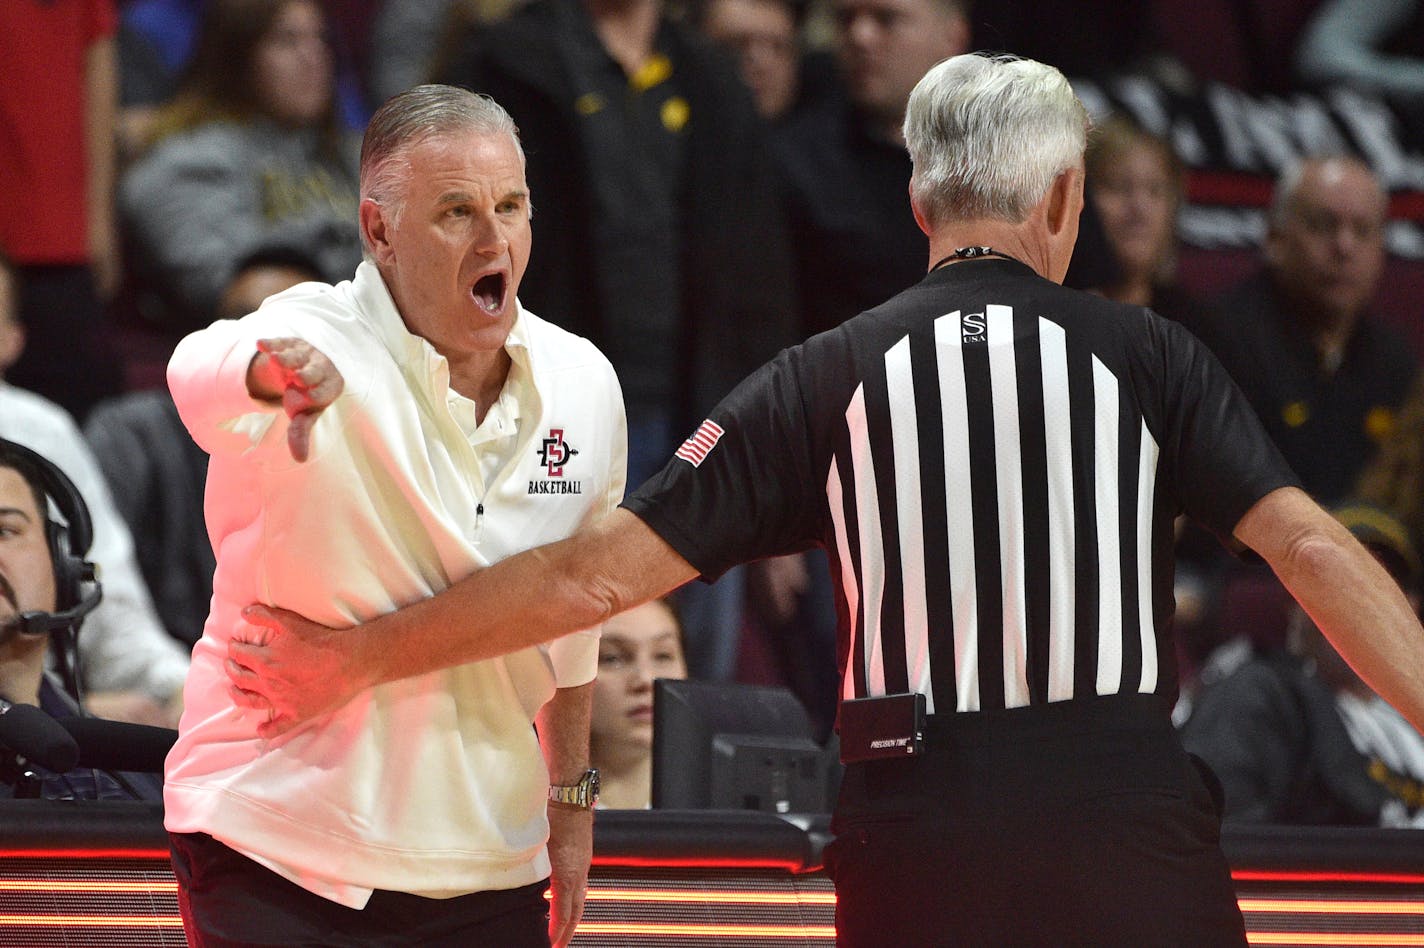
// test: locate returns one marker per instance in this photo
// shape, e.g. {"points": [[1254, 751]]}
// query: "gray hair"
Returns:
{"points": [[988, 134], [1287, 187], [412, 117]]}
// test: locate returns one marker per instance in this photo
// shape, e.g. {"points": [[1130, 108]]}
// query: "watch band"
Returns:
{"points": [[583, 794]]}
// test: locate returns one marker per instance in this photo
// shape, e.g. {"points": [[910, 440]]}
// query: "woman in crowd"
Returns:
{"points": [[1137, 185], [637, 646], [249, 155]]}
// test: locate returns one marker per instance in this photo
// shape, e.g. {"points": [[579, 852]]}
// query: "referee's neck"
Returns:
{"points": [[1043, 240]]}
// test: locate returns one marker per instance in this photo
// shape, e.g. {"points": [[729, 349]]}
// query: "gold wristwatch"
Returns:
{"points": [[583, 794]]}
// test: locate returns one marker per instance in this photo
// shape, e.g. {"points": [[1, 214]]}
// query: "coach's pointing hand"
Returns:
{"points": [[302, 378]]}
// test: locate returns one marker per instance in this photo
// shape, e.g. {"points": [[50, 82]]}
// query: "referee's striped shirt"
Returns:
{"points": [[994, 464]]}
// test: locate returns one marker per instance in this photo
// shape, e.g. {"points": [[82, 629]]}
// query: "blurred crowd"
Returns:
{"points": [[714, 180]]}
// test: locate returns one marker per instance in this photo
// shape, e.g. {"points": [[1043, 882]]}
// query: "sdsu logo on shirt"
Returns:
{"points": [[554, 453]]}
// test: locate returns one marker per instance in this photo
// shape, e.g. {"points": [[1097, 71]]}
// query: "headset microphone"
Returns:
{"points": [[39, 624]]}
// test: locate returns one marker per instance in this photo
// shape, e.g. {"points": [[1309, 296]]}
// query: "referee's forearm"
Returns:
{"points": [[532, 597], [1346, 592]]}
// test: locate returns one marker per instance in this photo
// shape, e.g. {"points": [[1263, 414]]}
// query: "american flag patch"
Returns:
{"points": [[695, 449]]}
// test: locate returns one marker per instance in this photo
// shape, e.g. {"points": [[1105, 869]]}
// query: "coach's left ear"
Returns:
{"points": [[375, 230]]}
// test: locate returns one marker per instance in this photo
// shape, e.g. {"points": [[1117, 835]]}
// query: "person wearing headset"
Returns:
{"points": [[132, 669], [46, 589]]}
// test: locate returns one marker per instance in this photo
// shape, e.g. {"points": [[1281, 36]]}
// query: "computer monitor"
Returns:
{"points": [[732, 746]]}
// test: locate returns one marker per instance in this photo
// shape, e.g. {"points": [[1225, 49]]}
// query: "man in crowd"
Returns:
{"points": [[994, 464], [1325, 377], [46, 588], [130, 668], [371, 443]]}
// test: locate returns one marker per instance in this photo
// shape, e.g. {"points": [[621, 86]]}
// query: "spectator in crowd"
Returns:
{"points": [[1296, 737], [39, 578], [1137, 186], [131, 670], [57, 102], [765, 38], [637, 647], [1394, 480], [660, 234], [1325, 377], [250, 154], [636, 132]]}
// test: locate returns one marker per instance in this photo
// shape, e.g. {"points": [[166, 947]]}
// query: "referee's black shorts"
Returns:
{"points": [[1077, 823]]}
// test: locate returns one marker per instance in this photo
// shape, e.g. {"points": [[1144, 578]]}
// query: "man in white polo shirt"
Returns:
{"points": [[372, 443]]}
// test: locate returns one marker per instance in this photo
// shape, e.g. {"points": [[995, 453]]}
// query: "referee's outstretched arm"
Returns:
{"points": [[1348, 594], [296, 669]]}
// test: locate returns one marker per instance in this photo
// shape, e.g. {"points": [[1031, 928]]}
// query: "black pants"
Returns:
{"points": [[1082, 823], [227, 901]]}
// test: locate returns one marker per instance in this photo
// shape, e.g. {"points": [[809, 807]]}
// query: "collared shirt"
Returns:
{"points": [[434, 784]]}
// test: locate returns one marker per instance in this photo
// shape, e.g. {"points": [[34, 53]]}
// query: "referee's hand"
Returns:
{"points": [[289, 667]]}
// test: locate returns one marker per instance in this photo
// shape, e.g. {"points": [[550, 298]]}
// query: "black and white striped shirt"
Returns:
{"points": [[994, 464]]}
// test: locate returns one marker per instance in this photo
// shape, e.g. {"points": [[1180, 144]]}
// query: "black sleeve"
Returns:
{"points": [[754, 493], [1224, 459]]}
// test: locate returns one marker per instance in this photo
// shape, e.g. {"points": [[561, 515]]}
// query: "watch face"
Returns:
{"points": [[595, 783]]}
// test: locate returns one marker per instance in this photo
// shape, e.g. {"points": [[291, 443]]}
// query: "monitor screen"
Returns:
{"points": [[721, 745]]}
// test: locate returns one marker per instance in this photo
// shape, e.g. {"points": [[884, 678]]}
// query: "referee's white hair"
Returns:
{"points": [[414, 116], [987, 136]]}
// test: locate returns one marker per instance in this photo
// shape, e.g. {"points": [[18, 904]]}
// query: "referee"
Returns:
{"points": [[994, 464]]}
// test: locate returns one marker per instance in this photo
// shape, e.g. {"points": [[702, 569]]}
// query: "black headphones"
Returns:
{"points": [[68, 543]]}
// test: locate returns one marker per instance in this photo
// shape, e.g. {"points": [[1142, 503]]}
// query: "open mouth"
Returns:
{"points": [[489, 293]]}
